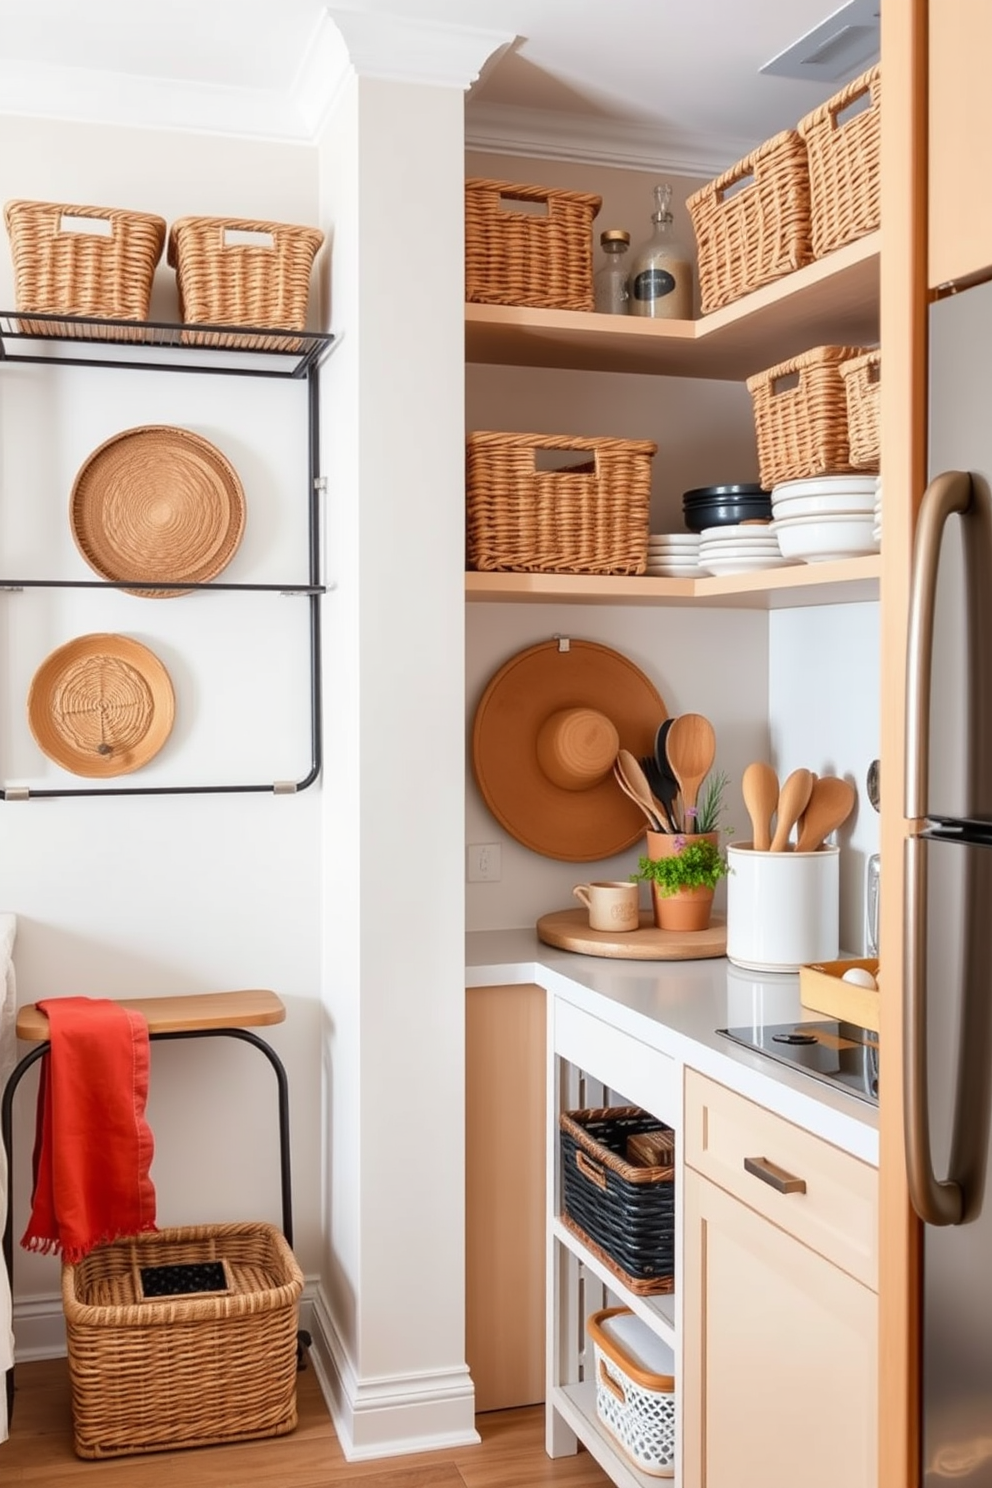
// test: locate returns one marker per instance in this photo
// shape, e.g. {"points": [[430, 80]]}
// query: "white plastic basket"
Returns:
{"points": [[635, 1388]]}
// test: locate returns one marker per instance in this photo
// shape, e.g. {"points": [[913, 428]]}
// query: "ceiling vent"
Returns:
{"points": [[842, 46]]}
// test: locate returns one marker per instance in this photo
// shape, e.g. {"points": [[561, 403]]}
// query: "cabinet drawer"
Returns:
{"points": [[825, 1198]]}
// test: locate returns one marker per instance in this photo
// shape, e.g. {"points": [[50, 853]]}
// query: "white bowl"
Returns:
{"points": [[825, 485], [818, 539], [839, 504]]}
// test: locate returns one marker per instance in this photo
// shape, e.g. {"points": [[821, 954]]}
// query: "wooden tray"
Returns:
{"points": [[569, 930]]}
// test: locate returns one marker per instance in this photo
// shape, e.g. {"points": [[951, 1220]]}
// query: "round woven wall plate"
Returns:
{"points": [[101, 705], [157, 503], [578, 825]]}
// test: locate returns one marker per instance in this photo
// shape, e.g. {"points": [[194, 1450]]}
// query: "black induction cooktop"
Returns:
{"points": [[838, 1053]]}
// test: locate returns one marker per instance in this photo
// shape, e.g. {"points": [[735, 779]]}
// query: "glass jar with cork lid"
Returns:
{"points": [[610, 290]]}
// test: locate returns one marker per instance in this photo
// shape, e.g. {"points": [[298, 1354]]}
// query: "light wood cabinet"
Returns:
{"points": [[960, 141], [505, 1077], [779, 1355], [780, 1313]]}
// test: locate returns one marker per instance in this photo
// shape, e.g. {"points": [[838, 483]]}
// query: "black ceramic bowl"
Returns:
{"points": [[723, 506]]}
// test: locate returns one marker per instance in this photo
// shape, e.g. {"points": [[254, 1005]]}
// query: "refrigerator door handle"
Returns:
{"points": [[936, 1201]]}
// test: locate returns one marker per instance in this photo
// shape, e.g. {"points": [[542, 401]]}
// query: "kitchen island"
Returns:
{"points": [[773, 1316]]}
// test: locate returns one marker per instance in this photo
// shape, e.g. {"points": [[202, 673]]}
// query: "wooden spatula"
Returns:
{"points": [[760, 788], [792, 802], [830, 804], [691, 750]]}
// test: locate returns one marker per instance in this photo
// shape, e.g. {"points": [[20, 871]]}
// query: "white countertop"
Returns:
{"points": [[676, 1007]]}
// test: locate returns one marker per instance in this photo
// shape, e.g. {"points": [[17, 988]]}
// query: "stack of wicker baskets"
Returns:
{"points": [[800, 195]]}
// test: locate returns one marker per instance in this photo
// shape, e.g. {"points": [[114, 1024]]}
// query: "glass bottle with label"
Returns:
{"points": [[661, 272], [610, 279]]}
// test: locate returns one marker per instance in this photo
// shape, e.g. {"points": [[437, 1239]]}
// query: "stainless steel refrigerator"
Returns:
{"points": [[948, 1050]]}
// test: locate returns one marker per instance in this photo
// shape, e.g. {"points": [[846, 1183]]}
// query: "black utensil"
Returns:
{"points": [[668, 786]]}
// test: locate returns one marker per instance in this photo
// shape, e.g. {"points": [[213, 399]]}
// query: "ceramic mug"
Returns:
{"points": [[611, 906]]}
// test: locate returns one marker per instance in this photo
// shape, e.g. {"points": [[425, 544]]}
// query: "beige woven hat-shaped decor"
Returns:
{"points": [[101, 705], [157, 503], [546, 734]]}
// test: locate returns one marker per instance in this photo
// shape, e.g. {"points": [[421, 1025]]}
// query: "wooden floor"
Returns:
{"points": [[511, 1454]]}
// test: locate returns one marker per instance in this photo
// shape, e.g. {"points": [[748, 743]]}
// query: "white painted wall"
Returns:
{"points": [[184, 894], [392, 1036]]}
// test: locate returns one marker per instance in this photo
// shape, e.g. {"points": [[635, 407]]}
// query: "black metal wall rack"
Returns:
{"points": [[223, 351]]}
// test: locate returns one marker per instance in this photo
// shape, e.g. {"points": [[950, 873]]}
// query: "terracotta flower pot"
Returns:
{"points": [[687, 909]]}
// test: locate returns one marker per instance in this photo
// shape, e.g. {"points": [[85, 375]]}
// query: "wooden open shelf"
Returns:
{"points": [[831, 302], [849, 581]]}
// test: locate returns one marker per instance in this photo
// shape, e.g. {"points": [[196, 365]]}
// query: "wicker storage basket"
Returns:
{"points": [[752, 224], [516, 257], [623, 1212], [635, 1389], [592, 518], [182, 1371], [64, 269], [235, 272], [863, 389], [843, 156], [801, 429]]}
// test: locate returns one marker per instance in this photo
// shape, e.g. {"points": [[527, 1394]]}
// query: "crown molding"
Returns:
{"points": [[591, 140], [342, 43]]}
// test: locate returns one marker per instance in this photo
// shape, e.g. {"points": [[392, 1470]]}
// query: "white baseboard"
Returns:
{"points": [[389, 1416]]}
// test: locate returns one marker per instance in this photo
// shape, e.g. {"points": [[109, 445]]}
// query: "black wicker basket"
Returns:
{"points": [[623, 1213]]}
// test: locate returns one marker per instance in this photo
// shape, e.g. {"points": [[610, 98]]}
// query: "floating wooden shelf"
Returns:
{"points": [[848, 581], [831, 302]]}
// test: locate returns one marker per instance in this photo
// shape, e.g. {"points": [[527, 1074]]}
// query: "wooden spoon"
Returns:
{"points": [[830, 804], [792, 802], [691, 750], [760, 787], [632, 780]]}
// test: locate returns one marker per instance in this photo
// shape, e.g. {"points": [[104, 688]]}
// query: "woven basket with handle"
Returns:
{"points": [[235, 272], [800, 416], [752, 224], [843, 146], [515, 255], [87, 261], [591, 518], [863, 389], [182, 1371], [624, 1213]]}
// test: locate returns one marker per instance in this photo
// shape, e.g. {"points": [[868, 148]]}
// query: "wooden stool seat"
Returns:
{"points": [[253, 1008]]}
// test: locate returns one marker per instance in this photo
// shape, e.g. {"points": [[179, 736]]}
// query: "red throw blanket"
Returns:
{"points": [[93, 1148]]}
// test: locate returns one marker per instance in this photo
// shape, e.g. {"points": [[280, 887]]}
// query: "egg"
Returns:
{"points": [[859, 977]]}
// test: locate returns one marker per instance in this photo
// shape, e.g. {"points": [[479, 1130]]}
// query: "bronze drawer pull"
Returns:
{"points": [[774, 1176]]}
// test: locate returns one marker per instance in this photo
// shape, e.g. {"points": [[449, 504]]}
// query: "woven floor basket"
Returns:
{"points": [[802, 429], [752, 224], [517, 257], [844, 164], [593, 518], [79, 272], [226, 281], [151, 1376], [863, 391], [624, 1213]]}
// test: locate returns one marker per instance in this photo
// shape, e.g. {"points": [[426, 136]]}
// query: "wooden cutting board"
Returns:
{"points": [[568, 929]]}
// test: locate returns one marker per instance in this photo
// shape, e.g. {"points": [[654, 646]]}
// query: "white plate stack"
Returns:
{"points": [[826, 517], [741, 548], [674, 555]]}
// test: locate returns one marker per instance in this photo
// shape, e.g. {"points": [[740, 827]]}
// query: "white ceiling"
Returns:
{"points": [[640, 77]]}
